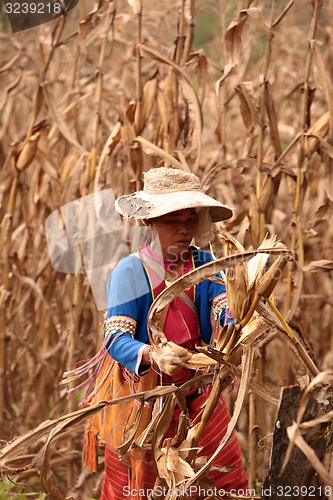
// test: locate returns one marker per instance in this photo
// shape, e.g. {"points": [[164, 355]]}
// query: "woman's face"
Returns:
{"points": [[175, 231]]}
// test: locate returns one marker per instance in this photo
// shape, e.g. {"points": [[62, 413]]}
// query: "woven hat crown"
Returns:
{"points": [[169, 180]]}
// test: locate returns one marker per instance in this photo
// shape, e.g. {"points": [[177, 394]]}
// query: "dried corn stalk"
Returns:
{"points": [[194, 277]]}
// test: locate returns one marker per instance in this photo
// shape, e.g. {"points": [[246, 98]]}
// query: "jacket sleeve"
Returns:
{"points": [[126, 287], [218, 300]]}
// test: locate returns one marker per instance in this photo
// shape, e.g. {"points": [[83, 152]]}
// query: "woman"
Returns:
{"points": [[173, 205]]}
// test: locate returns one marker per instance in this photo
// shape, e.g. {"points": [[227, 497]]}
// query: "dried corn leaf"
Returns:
{"points": [[109, 146], [46, 165], [264, 391], [200, 360], [212, 172], [270, 279], [173, 468], [325, 81], [324, 146], [71, 189], [47, 482], [189, 94], [36, 289], [325, 377], [162, 425], [193, 146], [149, 98], [323, 419], [248, 105], [68, 165], [6, 100], [232, 245], [164, 108], [295, 435], [233, 40], [273, 120], [10, 451], [201, 68], [61, 124], [255, 15], [295, 341], [192, 278], [298, 277], [150, 148], [10, 63], [85, 25], [237, 291], [242, 392], [319, 265], [256, 265], [236, 279], [251, 332], [53, 428], [136, 5]]}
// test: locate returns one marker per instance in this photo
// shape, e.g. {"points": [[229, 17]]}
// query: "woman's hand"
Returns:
{"points": [[170, 358]]}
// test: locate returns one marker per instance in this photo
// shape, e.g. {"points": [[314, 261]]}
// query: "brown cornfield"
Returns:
{"points": [[241, 94]]}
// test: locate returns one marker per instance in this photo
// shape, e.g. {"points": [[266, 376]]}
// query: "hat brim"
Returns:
{"points": [[143, 205]]}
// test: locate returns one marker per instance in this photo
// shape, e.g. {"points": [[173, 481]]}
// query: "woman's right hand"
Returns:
{"points": [[170, 358]]}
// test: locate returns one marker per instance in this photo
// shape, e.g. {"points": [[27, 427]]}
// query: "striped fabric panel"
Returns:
{"points": [[117, 478], [117, 475]]}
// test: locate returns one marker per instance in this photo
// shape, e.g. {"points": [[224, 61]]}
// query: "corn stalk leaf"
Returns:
{"points": [[243, 390], [272, 118], [255, 16], [233, 40], [295, 435], [149, 148], [325, 377], [193, 137], [325, 81], [54, 428], [319, 265], [136, 5], [149, 98], [10, 63], [109, 146], [61, 124], [190, 96], [193, 278]]}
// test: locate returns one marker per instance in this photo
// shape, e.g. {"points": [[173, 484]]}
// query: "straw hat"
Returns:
{"points": [[167, 190]]}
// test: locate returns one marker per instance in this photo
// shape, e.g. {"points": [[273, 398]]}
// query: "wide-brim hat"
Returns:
{"points": [[168, 190]]}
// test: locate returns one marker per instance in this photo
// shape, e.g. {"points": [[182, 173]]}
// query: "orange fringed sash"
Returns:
{"points": [[115, 422]]}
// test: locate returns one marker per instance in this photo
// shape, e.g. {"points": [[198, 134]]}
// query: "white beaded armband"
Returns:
{"points": [[115, 323], [219, 303]]}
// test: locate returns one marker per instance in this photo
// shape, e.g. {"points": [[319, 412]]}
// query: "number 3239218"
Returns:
{"points": [[303, 491], [33, 8]]}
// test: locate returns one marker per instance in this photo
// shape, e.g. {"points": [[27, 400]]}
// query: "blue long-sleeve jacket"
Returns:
{"points": [[130, 295]]}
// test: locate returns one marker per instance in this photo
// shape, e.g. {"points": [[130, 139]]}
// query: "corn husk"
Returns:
{"points": [[236, 279], [318, 128], [28, 152], [172, 465]]}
